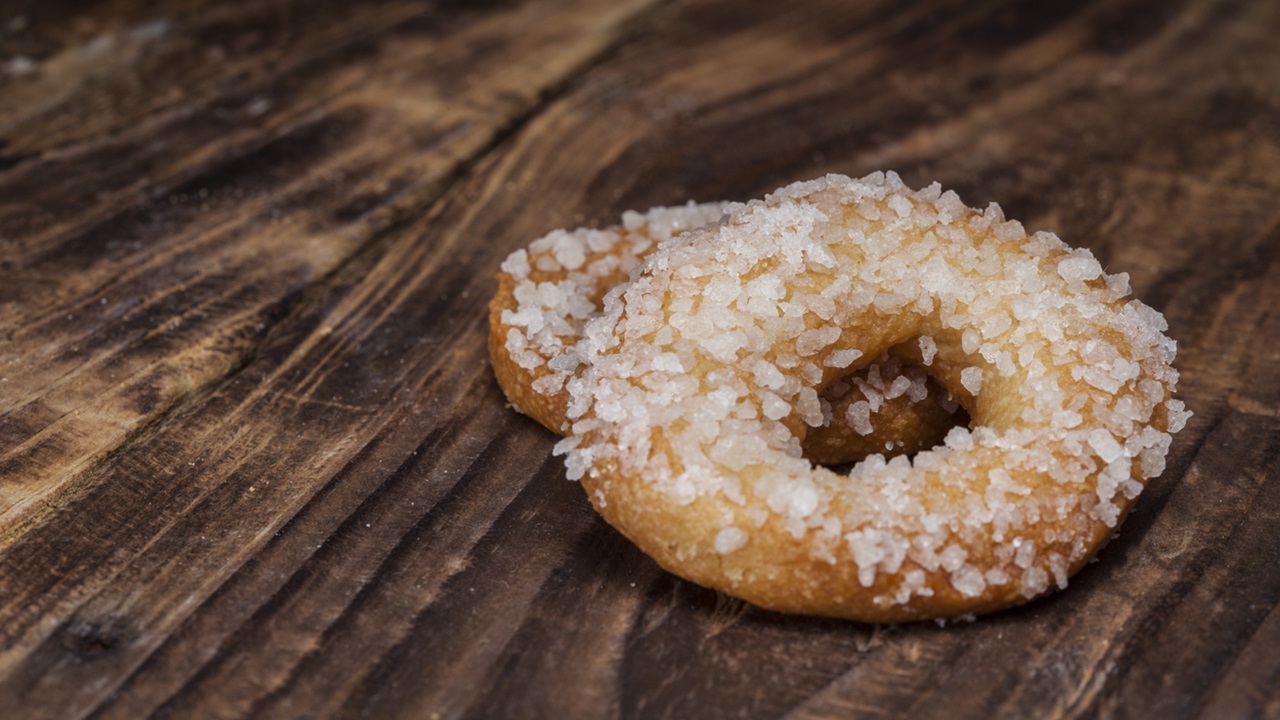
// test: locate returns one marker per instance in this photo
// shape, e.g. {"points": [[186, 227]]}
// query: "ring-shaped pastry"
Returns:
{"points": [[548, 291], [691, 411]]}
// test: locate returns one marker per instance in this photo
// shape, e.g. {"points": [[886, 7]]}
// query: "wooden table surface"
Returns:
{"points": [[253, 462]]}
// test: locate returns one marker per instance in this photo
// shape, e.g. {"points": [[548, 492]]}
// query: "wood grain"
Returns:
{"points": [[252, 461], [235, 204]]}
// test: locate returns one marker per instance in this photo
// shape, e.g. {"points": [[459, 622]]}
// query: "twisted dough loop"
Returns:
{"points": [[699, 387], [547, 292]]}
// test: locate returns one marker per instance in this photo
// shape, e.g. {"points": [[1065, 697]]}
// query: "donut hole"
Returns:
{"points": [[859, 427], [909, 447], [889, 407]]}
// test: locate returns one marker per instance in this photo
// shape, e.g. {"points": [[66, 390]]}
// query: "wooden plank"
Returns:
{"points": [[347, 521], [212, 217]]}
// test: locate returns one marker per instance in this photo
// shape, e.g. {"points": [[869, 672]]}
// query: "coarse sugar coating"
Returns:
{"points": [[548, 291], [687, 440]]}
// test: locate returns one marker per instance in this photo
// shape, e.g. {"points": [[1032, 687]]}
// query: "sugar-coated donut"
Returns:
{"points": [[547, 292], [689, 414]]}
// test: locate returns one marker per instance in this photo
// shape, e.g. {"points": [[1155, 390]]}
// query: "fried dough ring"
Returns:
{"points": [[547, 292], [682, 447]]}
